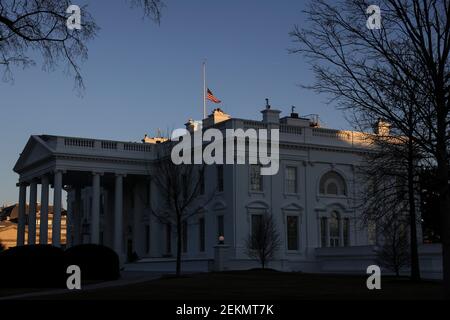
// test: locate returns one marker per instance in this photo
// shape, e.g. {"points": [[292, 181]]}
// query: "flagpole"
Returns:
{"points": [[204, 89]]}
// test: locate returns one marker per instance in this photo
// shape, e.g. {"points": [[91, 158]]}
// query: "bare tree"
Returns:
{"points": [[392, 172], [182, 193], [264, 240], [41, 26], [362, 69], [394, 251]]}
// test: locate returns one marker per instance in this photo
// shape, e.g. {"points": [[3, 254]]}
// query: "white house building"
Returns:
{"points": [[110, 194]]}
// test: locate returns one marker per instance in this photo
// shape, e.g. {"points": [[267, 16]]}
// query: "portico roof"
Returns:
{"points": [[47, 153]]}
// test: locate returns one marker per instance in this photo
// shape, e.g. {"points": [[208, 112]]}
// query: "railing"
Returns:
{"points": [[254, 124], [290, 129], [330, 133], [77, 142], [109, 145], [137, 147]]}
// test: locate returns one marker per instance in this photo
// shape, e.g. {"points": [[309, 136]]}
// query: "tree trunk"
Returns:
{"points": [[179, 235], [415, 268]]}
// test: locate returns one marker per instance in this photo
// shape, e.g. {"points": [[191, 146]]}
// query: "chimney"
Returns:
{"points": [[382, 128], [270, 115], [217, 116]]}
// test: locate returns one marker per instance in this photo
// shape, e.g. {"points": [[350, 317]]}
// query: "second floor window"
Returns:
{"points": [[291, 180], [256, 180]]}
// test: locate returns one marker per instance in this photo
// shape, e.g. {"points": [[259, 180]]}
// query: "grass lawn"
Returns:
{"points": [[260, 285]]}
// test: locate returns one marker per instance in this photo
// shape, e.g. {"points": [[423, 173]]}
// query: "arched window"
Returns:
{"points": [[332, 183]]}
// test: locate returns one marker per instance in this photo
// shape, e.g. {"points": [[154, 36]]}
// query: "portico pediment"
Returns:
{"points": [[34, 151]]}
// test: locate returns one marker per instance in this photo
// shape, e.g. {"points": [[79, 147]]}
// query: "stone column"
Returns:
{"points": [[77, 217], [137, 221], [57, 207], [22, 216], [32, 209], [95, 218], [43, 231], [118, 214]]}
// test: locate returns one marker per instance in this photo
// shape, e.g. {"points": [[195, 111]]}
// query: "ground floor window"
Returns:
{"points": [[147, 238], [184, 233], [256, 225], [292, 232], [334, 231], [372, 233], [201, 228], [168, 238]]}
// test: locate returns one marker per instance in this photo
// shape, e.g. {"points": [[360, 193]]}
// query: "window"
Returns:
{"points": [[132, 199], [102, 204], [90, 207], [256, 180], [346, 230], [323, 231], [220, 227], [147, 238], [257, 220], [291, 179], [220, 178], [148, 191], [202, 182], [168, 238], [184, 233], [333, 225], [332, 188], [292, 232], [184, 186], [332, 183], [334, 230], [201, 231], [372, 233]]}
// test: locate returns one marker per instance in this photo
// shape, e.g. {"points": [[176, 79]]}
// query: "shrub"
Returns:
{"points": [[33, 266], [95, 261]]}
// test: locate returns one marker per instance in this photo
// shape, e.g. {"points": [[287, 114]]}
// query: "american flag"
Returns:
{"points": [[212, 98]]}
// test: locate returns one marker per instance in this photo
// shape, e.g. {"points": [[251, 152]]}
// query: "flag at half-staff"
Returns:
{"points": [[211, 97]]}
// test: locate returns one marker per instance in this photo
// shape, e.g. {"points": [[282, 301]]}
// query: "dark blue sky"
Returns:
{"points": [[141, 76]]}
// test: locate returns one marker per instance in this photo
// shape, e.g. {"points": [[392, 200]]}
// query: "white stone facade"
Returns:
{"points": [[110, 193]]}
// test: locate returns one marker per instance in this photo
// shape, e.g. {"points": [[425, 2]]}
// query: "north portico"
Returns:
{"points": [[76, 165]]}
